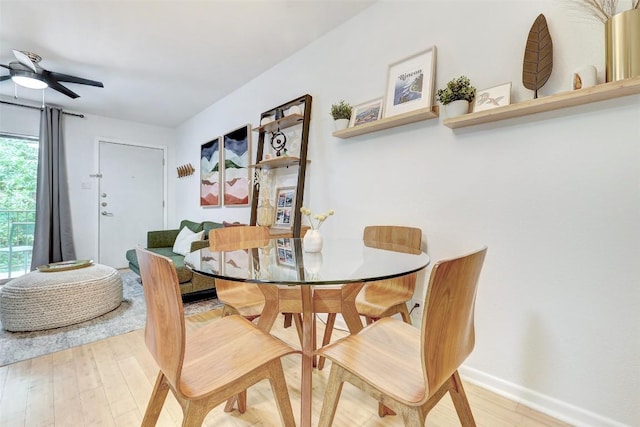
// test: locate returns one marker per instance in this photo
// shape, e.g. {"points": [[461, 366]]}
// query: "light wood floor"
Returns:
{"points": [[108, 383]]}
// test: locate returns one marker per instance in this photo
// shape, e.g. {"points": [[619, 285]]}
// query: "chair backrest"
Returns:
{"points": [[410, 237], [397, 239], [447, 324], [238, 237], [165, 328]]}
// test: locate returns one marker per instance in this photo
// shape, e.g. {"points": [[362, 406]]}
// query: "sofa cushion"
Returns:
{"points": [[193, 226], [184, 274], [182, 245], [233, 224], [161, 238], [208, 226]]}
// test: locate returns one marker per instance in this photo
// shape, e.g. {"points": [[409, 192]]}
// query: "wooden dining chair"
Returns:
{"points": [[383, 298], [244, 299], [409, 369], [210, 365]]}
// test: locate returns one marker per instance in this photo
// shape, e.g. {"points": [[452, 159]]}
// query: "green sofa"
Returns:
{"points": [[161, 242]]}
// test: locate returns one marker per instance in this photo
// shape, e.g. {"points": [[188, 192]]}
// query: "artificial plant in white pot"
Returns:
{"points": [[456, 96], [341, 113]]}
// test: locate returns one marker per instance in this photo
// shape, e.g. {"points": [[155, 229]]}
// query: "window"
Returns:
{"points": [[18, 175]]}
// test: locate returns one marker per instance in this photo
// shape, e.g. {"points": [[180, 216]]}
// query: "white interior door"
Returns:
{"points": [[131, 198]]}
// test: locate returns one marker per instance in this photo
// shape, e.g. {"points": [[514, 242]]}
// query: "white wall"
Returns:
{"points": [[554, 195], [80, 135]]}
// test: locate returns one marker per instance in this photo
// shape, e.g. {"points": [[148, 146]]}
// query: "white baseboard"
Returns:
{"points": [[540, 402]]}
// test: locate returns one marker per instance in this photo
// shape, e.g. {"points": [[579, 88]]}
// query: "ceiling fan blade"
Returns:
{"points": [[73, 79], [25, 60], [57, 86], [3, 78]]}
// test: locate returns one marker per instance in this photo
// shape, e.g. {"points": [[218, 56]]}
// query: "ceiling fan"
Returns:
{"points": [[26, 72]]}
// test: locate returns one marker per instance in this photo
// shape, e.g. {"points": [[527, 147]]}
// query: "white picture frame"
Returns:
{"points": [[493, 97], [410, 83], [367, 112], [285, 203]]}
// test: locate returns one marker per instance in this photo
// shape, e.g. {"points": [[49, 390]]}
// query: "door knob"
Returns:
{"points": [[105, 213]]}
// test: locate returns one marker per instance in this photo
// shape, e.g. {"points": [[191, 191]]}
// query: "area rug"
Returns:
{"points": [[129, 316]]}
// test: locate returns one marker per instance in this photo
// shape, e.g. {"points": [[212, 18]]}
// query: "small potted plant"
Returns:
{"points": [[456, 96], [341, 113]]}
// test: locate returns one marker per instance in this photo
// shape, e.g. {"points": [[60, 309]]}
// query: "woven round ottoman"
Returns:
{"points": [[38, 300]]}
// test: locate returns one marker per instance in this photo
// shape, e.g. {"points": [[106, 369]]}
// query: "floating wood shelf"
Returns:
{"points": [[278, 162], [572, 98], [389, 122], [283, 123]]}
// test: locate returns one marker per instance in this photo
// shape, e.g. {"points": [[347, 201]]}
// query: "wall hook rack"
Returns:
{"points": [[185, 170]]}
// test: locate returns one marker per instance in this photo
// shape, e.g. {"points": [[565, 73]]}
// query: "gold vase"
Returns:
{"points": [[622, 45]]}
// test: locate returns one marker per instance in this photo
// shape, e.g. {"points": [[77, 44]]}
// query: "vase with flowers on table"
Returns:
{"points": [[312, 241]]}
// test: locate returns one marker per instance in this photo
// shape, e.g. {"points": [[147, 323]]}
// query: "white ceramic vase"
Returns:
{"points": [[312, 241], [313, 262], [457, 108], [340, 124]]}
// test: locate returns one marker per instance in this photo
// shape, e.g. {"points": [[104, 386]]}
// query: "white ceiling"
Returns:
{"points": [[161, 62]]}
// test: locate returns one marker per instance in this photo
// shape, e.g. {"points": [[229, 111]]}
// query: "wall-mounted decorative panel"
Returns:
{"points": [[236, 151], [210, 173]]}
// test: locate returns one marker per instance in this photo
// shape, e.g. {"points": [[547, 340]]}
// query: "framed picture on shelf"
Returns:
{"points": [[286, 255], [493, 97], [410, 83], [236, 149], [210, 173], [285, 202], [366, 112]]}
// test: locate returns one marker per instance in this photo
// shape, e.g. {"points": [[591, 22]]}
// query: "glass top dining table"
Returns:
{"points": [[283, 261]]}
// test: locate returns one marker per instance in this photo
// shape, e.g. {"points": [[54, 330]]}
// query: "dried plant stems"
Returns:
{"points": [[601, 10]]}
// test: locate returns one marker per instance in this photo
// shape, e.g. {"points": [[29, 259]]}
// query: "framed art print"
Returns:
{"points": [[286, 254], [236, 148], [410, 83], [366, 112], [285, 202], [493, 97], [210, 173]]}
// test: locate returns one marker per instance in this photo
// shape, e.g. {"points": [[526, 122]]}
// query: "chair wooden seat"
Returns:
{"points": [[383, 298], [210, 365], [244, 299], [374, 359], [410, 370]]}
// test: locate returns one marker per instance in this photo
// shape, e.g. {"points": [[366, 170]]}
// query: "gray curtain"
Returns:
{"points": [[53, 239]]}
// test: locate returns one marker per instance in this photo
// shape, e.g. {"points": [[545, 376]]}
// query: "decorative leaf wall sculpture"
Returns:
{"points": [[538, 56]]}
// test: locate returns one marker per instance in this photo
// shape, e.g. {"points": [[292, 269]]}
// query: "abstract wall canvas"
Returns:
{"points": [[236, 151], [210, 173]]}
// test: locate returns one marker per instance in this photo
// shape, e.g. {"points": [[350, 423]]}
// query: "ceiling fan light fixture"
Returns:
{"points": [[29, 82], [27, 73]]}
